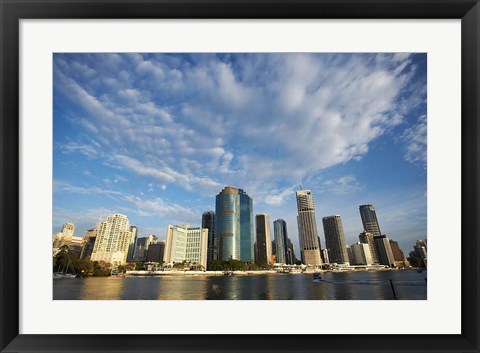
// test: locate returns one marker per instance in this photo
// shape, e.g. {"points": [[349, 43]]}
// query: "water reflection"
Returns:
{"points": [[342, 286]]}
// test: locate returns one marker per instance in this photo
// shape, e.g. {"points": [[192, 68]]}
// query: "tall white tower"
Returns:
{"points": [[307, 228]]}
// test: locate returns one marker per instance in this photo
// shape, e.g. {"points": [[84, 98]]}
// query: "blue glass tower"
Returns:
{"points": [[246, 227], [234, 225]]}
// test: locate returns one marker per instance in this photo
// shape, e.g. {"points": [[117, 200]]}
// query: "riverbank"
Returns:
{"points": [[145, 273]]}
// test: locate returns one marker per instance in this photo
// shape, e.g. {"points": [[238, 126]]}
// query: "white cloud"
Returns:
{"points": [[415, 139], [255, 122]]}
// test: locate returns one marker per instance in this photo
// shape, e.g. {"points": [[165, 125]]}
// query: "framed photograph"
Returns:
{"points": [[239, 176]]}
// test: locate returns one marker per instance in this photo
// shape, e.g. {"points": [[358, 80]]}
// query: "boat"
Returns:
{"points": [[66, 272], [317, 278]]}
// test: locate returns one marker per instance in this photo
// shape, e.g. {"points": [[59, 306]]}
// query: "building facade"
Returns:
{"points": [[361, 254], [281, 241], [141, 247], [264, 241], [367, 238], [156, 252], [307, 228], [208, 222], [113, 239], [369, 220], [234, 225], [185, 243], [335, 239], [64, 237], [133, 243], [385, 255]]}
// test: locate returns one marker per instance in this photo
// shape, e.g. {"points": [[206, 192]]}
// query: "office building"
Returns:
{"points": [[369, 220], [367, 238], [335, 240], [398, 255], [291, 259], [361, 254], [141, 247], [307, 228], [325, 257], [113, 239], [133, 243], [208, 222], [64, 237], [156, 252], [264, 241], [385, 255], [281, 241], [234, 225], [185, 243]]}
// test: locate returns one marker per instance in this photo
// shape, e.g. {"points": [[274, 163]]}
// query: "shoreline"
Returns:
{"points": [[245, 273]]}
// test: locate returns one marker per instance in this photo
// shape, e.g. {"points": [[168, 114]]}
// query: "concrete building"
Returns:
{"points": [[234, 225], [325, 256], [307, 228], [184, 243], [88, 243], [385, 255], [264, 241], [367, 238], [369, 220], [281, 240], [141, 247], [361, 254], [133, 243], [156, 252], [335, 240], [64, 237], [113, 239]]}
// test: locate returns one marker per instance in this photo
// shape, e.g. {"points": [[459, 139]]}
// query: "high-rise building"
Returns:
{"points": [[88, 243], [64, 237], [335, 239], [281, 241], [264, 242], [113, 239], [185, 243], [291, 258], [367, 238], [385, 255], [234, 225], [141, 247], [133, 243], [208, 222], [396, 251], [246, 227], [307, 228], [369, 220], [361, 254], [155, 252]]}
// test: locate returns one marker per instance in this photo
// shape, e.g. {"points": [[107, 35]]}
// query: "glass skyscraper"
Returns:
{"points": [[234, 225], [208, 221], [281, 241], [246, 227]]}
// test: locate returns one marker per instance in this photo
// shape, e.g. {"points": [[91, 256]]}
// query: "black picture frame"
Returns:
{"points": [[12, 11]]}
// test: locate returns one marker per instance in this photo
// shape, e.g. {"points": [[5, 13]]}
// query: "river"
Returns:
{"points": [[407, 285]]}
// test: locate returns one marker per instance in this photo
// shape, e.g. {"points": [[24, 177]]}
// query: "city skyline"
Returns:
{"points": [[157, 136]]}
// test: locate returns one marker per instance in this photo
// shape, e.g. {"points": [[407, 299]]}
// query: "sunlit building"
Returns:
{"points": [[234, 225], [64, 237], [307, 228], [367, 238], [361, 254], [185, 243], [385, 255], [114, 236]]}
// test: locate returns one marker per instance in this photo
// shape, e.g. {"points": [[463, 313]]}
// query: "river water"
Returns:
{"points": [[408, 285]]}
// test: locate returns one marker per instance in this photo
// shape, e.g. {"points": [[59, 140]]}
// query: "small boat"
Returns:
{"points": [[317, 277], [67, 272]]}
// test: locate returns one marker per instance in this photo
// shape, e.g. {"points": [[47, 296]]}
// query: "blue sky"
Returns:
{"points": [[157, 136]]}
